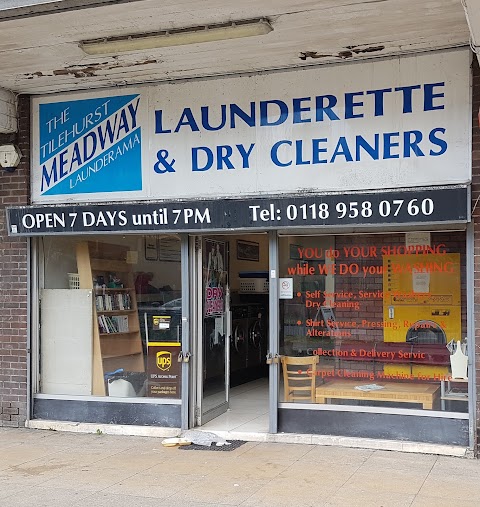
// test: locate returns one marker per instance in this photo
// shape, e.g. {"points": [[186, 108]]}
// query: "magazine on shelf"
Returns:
{"points": [[121, 323], [112, 302], [102, 325]]}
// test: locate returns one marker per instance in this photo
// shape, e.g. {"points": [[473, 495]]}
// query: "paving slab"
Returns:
{"points": [[331, 454], [452, 487], [45, 497], [388, 481], [275, 450], [149, 485], [432, 501], [291, 491], [353, 497], [221, 490]]}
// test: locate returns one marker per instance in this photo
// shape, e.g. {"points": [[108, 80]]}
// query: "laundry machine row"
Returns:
{"points": [[248, 343]]}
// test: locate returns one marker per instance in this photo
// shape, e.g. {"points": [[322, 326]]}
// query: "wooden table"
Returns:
{"points": [[397, 392]]}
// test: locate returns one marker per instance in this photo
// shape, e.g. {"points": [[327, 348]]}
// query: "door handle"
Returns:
{"points": [[273, 359]]}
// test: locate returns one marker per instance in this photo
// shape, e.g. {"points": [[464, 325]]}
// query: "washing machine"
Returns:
{"points": [[239, 338], [257, 336]]}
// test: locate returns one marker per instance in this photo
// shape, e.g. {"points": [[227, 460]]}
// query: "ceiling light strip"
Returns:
{"points": [[178, 37]]}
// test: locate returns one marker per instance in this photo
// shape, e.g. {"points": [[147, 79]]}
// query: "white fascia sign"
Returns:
{"points": [[386, 124]]}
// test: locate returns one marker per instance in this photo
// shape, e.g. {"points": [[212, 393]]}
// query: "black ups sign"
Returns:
{"points": [[449, 204], [164, 371]]}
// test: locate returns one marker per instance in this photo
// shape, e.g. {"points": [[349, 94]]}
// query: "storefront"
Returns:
{"points": [[294, 245]]}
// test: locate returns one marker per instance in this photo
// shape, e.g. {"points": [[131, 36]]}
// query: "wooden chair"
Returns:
{"points": [[299, 377]]}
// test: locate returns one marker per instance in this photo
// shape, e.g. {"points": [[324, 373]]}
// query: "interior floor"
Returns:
{"points": [[248, 410]]}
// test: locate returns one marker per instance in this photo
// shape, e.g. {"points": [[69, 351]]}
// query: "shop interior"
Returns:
{"points": [[136, 283], [375, 320], [377, 324]]}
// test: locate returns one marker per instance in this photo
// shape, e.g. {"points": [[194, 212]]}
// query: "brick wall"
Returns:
{"points": [[476, 225], [14, 190]]}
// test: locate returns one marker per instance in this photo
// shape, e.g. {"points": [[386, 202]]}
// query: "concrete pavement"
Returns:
{"points": [[55, 469]]}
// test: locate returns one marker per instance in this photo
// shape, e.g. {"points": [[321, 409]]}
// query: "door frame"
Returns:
{"points": [[273, 327], [192, 328], [186, 347], [198, 418], [194, 263]]}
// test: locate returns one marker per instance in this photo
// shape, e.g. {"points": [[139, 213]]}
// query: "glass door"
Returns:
{"points": [[214, 330]]}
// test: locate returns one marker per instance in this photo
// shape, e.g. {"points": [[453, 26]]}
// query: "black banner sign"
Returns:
{"points": [[395, 207]]}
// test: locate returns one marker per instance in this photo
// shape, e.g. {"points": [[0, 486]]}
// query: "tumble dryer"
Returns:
{"points": [[422, 301]]}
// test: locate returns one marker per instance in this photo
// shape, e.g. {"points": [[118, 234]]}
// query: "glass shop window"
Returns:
{"points": [[376, 320], [111, 316]]}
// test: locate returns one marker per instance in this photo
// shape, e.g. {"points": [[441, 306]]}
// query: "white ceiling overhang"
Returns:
{"points": [[11, 9], [40, 53]]}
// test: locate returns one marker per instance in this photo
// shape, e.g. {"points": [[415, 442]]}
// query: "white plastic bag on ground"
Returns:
{"points": [[204, 438]]}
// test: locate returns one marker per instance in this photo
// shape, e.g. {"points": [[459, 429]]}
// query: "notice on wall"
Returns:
{"points": [[417, 238], [161, 322], [285, 288], [420, 280], [163, 370]]}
